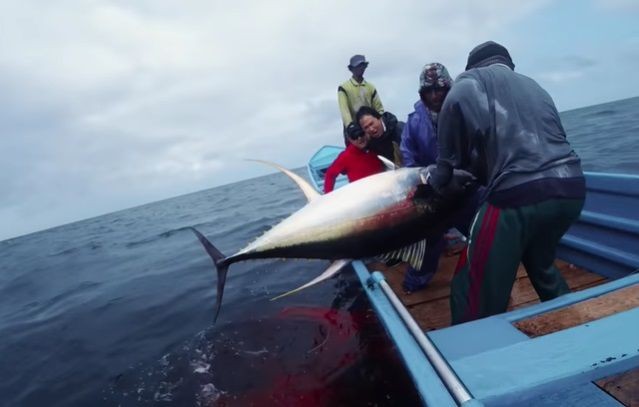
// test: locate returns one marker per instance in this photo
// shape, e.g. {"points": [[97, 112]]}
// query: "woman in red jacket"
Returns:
{"points": [[356, 161]]}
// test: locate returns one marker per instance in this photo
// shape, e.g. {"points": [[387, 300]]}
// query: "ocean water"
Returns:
{"points": [[117, 309], [606, 136]]}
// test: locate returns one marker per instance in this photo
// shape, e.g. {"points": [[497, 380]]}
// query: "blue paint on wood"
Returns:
{"points": [[605, 239], [576, 355], [498, 363], [318, 164], [426, 380], [475, 337], [580, 395], [570, 299]]}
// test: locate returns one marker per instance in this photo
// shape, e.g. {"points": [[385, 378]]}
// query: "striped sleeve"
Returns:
{"points": [[342, 100], [377, 102]]}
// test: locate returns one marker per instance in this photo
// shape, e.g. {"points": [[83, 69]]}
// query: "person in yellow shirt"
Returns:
{"points": [[357, 92]]}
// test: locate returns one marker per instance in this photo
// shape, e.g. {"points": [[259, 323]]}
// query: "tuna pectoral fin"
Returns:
{"points": [[333, 269], [388, 164], [413, 254], [221, 268]]}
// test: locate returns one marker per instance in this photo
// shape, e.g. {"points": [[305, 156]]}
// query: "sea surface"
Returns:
{"points": [[117, 310]]}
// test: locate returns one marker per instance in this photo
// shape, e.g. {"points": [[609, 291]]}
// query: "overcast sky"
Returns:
{"points": [[106, 105]]}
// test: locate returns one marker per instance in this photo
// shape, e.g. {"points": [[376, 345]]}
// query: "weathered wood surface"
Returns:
{"points": [[624, 387], [580, 313], [431, 309]]}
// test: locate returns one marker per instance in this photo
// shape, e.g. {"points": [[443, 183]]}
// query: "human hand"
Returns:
{"points": [[460, 182]]}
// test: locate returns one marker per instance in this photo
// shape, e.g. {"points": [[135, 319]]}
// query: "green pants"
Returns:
{"points": [[499, 240]]}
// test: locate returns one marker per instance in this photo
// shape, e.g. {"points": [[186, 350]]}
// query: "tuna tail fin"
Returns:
{"points": [[221, 267]]}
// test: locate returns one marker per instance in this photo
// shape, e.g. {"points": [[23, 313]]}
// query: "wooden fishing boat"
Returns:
{"points": [[581, 349]]}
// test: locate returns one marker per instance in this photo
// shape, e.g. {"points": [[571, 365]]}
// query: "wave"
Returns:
{"points": [[605, 112], [155, 238], [91, 245]]}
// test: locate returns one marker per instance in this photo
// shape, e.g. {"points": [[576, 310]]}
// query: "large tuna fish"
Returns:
{"points": [[380, 215]]}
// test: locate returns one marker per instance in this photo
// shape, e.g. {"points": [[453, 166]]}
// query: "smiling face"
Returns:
{"points": [[371, 126], [361, 141]]}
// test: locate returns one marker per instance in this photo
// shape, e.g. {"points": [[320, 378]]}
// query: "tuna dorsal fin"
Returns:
{"points": [[390, 166], [306, 188], [413, 254], [333, 269]]}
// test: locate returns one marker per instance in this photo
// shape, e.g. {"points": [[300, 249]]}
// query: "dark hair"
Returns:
{"points": [[366, 111], [353, 131]]}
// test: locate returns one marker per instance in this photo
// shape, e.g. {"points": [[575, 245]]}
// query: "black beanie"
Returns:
{"points": [[489, 53]]}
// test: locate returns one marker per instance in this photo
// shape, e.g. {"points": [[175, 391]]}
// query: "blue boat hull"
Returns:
{"points": [[490, 361]]}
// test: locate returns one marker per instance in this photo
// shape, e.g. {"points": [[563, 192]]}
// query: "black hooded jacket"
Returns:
{"points": [[387, 145]]}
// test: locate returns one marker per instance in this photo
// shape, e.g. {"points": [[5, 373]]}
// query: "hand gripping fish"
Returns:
{"points": [[381, 216]]}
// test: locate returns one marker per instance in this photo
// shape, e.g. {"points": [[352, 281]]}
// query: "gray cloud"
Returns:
{"points": [[617, 5], [565, 68], [110, 104]]}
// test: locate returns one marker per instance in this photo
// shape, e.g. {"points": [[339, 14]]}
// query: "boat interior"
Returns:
{"points": [[430, 308], [579, 349], [599, 261]]}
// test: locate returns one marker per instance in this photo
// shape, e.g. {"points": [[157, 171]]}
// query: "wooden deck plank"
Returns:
{"points": [[431, 309], [536, 299], [432, 315], [439, 286], [624, 387], [577, 279], [580, 313]]}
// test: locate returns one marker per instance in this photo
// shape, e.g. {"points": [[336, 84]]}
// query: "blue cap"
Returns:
{"points": [[357, 60]]}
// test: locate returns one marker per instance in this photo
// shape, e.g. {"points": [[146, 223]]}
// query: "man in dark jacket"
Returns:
{"points": [[504, 129], [385, 132]]}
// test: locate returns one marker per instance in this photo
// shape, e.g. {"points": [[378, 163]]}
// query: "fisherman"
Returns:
{"points": [[356, 92], [385, 132], [503, 128], [419, 138], [419, 149], [357, 161]]}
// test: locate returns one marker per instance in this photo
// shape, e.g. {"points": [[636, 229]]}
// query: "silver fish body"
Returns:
{"points": [[374, 215], [383, 214]]}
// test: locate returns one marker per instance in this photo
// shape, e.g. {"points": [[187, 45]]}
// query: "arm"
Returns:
{"points": [[447, 154], [397, 155], [461, 119], [342, 100], [397, 139], [408, 147], [377, 102], [332, 172]]}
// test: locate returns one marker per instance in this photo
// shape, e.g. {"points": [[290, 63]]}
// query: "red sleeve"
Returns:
{"points": [[332, 172]]}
